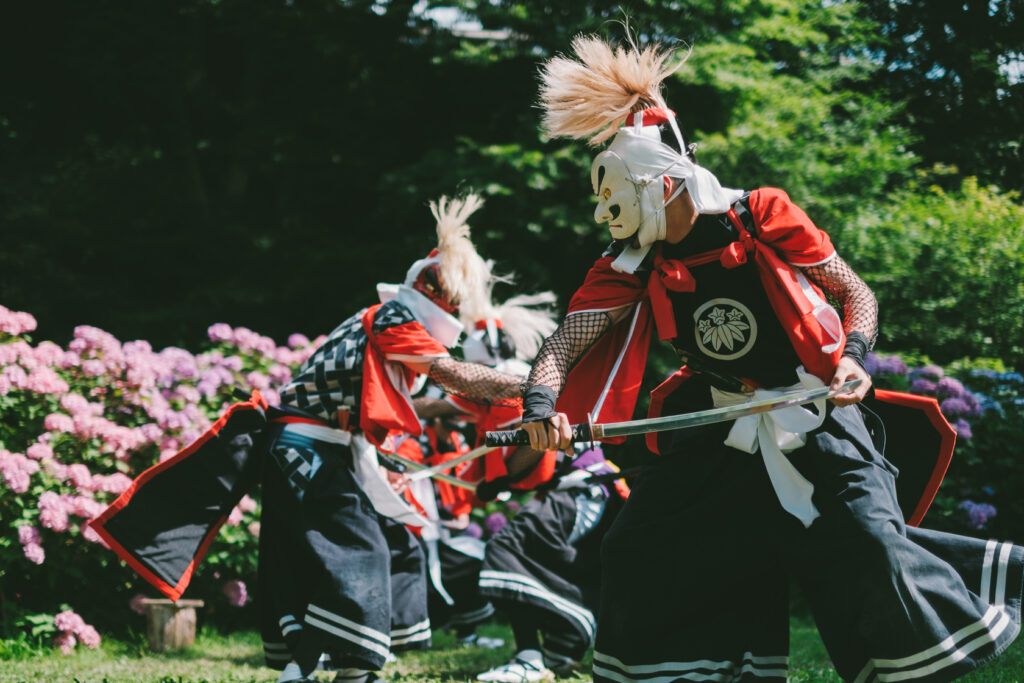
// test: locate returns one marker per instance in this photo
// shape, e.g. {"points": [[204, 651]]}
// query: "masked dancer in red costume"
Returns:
{"points": [[697, 566], [332, 529]]}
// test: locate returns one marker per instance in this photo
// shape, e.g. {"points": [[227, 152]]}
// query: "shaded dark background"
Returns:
{"points": [[168, 165]]}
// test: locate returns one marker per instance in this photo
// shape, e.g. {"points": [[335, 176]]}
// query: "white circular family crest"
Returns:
{"points": [[725, 329]]}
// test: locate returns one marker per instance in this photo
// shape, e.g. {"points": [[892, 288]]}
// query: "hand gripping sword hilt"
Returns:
{"points": [[519, 437]]}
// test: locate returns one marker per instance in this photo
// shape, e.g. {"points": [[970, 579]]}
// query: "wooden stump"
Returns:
{"points": [[170, 625]]}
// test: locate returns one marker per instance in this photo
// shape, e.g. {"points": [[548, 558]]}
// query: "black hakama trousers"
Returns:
{"points": [[698, 565], [328, 570], [546, 563], [460, 561]]}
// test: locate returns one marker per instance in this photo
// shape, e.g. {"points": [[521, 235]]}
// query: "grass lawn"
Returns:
{"points": [[238, 658]]}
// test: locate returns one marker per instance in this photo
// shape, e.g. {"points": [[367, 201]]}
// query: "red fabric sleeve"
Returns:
{"points": [[408, 340], [410, 449], [605, 288], [786, 228], [587, 387], [385, 409], [471, 411]]}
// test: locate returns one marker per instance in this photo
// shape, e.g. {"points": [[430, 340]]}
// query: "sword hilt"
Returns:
{"points": [[519, 437]]}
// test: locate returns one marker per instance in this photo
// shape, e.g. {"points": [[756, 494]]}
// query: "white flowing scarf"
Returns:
{"points": [[776, 433]]}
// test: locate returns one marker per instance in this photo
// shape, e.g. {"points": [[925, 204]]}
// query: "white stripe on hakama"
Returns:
{"points": [[519, 583]]}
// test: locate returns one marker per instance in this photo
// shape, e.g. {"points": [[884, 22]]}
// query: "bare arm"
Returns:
{"points": [[427, 408], [521, 462]]}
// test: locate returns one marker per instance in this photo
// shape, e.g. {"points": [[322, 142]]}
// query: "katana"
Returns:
{"points": [[591, 431], [454, 481], [448, 464]]}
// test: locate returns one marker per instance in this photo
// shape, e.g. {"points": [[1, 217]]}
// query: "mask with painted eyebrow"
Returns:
{"points": [[630, 205]]}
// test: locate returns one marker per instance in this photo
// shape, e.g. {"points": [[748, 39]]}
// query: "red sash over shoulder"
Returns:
{"points": [[386, 409], [606, 382]]}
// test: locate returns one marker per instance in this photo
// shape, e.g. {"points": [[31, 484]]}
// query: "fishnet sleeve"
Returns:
{"points": [[565, 346], [849, 295], [473, 380]]}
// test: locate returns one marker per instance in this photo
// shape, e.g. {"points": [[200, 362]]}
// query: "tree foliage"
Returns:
{"points": [[169, 165], [945, 266], [958, 65]]}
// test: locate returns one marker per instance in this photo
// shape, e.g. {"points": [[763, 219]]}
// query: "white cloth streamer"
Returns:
{"points": [[384, 499], [776, 433]]}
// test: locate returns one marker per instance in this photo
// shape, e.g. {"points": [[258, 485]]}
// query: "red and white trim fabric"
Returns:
{"points": [[386, 405], [173, 590]]}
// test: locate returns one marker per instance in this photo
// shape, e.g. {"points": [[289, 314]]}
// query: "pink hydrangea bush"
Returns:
{"points": [[80, 422], [72, 629]]}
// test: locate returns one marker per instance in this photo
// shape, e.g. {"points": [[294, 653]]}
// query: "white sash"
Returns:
{"points": [[776, 433], [376, 486]]}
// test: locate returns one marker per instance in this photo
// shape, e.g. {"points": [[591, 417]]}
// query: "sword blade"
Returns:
{"points": [[454, 481], [723, 414], [447, 465]]}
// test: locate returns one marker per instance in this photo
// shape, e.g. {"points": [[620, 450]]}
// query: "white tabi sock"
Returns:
{"points": [[351, 676], [531, 656], [291, 672]]}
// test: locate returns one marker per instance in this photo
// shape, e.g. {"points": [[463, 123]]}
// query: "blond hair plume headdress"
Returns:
{"points": [[604, 91], [528, 319], [464, 274], [590, 96], [451, 276], [511, 333]]}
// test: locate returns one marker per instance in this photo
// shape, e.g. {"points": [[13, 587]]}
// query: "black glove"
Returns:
{"points": [[390, 463], [856, 347], [539, 403], [489, 490]]}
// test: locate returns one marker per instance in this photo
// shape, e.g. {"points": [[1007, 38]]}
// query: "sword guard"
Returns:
{"points": [[591, 428]]}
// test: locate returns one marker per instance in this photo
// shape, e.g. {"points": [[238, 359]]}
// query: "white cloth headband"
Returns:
{"points": [[648, 155]]}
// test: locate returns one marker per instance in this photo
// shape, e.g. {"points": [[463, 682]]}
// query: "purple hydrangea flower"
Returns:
{"points": [[892, 365], [978, 514], [220, 332], [922, 386], [871, 363], [950, 387], [963, 428], [495, 522], [473, 529], [933, 372], [297, 340], [954, 407], [973, 404], [236, 592]]}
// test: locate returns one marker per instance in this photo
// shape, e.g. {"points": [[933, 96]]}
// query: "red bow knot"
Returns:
{"points": [[733, 255], [674, 275]]}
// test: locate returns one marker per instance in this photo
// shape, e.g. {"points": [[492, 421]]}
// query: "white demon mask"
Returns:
{"points": [[630, 203], [629, 180]]}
